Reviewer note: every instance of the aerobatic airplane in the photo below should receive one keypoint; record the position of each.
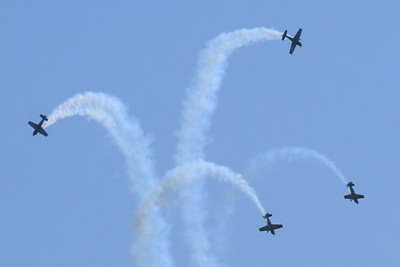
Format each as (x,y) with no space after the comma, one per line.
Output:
(353,195)
(295,40)
(270,227)
(38,127)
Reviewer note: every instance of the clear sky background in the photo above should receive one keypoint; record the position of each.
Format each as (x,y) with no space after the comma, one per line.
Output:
(66,200)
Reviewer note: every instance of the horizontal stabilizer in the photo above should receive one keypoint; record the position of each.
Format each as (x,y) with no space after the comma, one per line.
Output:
(284,35)
(44,117)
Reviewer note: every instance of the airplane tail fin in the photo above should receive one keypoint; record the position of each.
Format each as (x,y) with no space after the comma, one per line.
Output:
(350,184)
(44,117)
(284,35)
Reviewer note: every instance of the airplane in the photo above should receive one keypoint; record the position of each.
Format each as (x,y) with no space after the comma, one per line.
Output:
(353,195)
(38,127)
(295,40)
(270,227)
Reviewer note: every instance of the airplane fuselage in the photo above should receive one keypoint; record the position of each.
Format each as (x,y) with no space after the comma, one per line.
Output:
(352,191)
(353,195)
(297,42)
(353,198)
(35,132)
(269,224)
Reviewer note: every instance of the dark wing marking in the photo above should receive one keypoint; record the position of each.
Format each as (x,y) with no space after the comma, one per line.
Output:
(33,125)
(276,226)
(265,228)
(297,36)
(292,47)
(40,130)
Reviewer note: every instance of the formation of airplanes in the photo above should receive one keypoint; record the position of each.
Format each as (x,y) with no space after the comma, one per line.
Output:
(295,42)
(270,227)
(352,196)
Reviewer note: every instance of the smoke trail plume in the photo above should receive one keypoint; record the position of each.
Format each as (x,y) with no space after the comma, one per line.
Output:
(273,156)
(201,98)
(151,246)
(289,153)
(111,113)
(177,180)
(198,107)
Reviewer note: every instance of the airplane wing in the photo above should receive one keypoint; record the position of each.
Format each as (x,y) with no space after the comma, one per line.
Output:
(292,47)
(276,226)
(265,228)
(40,130)
(270,227)
(297,36)
(359,196)
(349,196)
(33,125)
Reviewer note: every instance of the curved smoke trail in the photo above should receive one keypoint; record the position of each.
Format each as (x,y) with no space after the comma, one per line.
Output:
(151,247)
(198,107)
(201,98)
(111,113)
(262,160)
(289,153)
(175,181)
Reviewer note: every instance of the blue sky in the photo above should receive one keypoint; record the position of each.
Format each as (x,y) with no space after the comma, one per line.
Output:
(66,200)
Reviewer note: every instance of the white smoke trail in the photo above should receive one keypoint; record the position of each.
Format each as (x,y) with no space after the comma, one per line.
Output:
(199,105)
(111,113)
(262,160)
(201,99)
(289,153)
(177,180)
(196,236)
